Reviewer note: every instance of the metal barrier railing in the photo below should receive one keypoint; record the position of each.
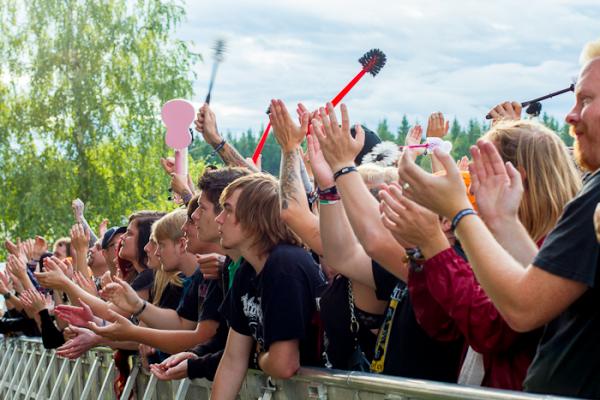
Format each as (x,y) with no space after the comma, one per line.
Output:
(28,371)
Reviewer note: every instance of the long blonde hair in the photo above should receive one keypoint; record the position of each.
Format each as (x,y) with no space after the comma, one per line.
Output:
(551,179)
(168,227)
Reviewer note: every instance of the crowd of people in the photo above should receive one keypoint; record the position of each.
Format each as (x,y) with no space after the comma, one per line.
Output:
(483,272)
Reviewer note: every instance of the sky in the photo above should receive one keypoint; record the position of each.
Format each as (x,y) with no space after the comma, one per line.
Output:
(457,57)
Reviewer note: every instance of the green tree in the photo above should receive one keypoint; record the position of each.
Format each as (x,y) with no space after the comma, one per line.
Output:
(402,130)
(87,80)
(383,131)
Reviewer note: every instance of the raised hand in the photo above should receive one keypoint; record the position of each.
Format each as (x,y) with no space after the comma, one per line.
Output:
(506,111)
(105,279)
(102,228)
(17,266)
(211,265)
(321,170)
(11,247)
(287,133)
(33,300)
(78,316)
(337,144)
(54,276)
(80,239)
(27,248)
(444,195)
(78,208)
(119,328)
(5,283)
(168,165)
(83,341)
(497,186)
(121,294)
(206,124)
(85,283)
(39,247)
(437,126)
(411,223)
(414,136)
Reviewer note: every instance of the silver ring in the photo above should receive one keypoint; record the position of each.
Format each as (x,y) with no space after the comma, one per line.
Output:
(405,186)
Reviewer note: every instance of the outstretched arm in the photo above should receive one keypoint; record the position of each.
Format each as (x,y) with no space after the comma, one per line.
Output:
(295,211)
(361,207)
(206,124)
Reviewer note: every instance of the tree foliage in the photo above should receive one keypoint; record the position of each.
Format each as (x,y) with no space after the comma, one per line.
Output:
(82,82)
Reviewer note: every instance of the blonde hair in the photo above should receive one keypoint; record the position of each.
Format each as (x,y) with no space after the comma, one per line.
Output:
(161,280)
(590,51)
(551,179)
(375,174)
(169,226)
(257,211)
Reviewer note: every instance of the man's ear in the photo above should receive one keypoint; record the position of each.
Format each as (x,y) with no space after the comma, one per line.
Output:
(181,243)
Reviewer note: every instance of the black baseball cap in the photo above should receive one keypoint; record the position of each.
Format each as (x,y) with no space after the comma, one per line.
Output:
(110,234)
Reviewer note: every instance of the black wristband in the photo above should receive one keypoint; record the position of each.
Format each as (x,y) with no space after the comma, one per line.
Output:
(140,311)
(220,146)
(329,190)
(460,215)
(344,171)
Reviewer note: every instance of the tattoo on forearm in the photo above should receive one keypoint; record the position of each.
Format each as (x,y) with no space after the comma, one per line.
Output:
(290,178)
(232,158)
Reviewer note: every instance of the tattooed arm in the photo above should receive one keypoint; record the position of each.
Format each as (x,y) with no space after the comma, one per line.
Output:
(206,124)
(294,205)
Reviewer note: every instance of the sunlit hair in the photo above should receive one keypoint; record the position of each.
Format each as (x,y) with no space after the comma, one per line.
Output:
(192,206)
(257,211)
(590,51)
(169,226)
(212,183)
(551,179)
(374,175)
(67,242)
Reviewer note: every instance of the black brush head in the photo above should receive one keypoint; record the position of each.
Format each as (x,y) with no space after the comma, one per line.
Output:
(219,49)
(373,61)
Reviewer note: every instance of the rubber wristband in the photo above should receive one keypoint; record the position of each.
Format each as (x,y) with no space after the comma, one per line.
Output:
(220,146)
(460,215)
(344,171)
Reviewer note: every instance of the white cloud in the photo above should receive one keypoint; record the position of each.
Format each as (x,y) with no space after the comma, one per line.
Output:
(457,57)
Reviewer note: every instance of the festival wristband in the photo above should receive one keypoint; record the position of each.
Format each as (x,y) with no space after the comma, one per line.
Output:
(220,146)
(140,311)
(344,171)
(460,215)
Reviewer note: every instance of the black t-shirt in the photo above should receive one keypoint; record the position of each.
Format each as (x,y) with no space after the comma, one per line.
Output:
(568,358)
(143,280)
(279,303)
(194,292)
(335,316)
(409,351)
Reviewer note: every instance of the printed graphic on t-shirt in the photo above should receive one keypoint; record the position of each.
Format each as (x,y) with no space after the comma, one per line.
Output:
(253,312)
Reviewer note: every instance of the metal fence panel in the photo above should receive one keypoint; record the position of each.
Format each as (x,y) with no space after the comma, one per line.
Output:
(96,370)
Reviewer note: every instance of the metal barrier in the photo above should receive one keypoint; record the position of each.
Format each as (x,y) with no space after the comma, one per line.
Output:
(28,371)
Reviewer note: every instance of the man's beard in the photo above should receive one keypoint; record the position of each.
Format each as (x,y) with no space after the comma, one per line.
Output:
(577,153)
